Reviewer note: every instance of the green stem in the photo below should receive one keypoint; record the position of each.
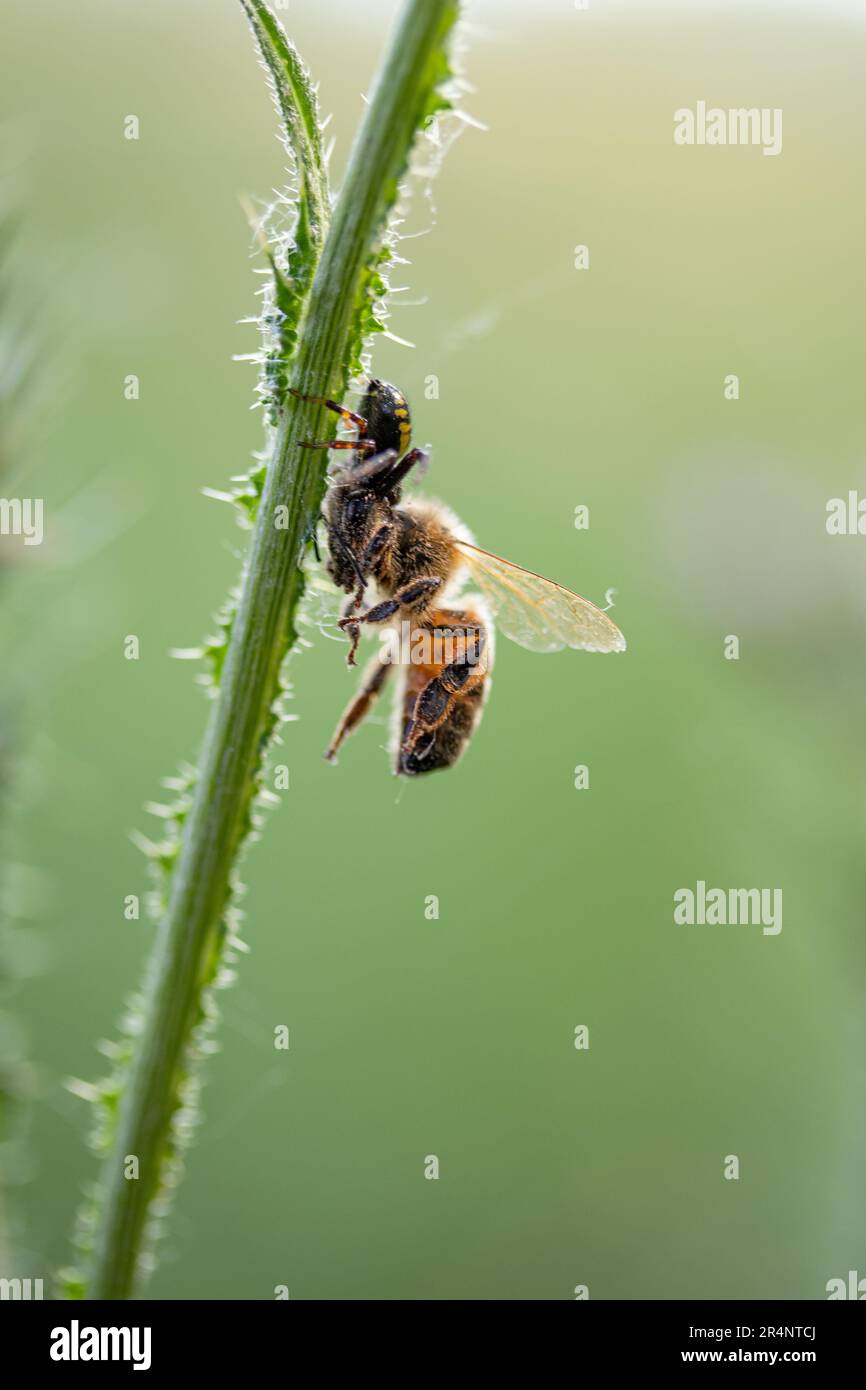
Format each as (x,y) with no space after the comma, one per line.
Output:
(192,931)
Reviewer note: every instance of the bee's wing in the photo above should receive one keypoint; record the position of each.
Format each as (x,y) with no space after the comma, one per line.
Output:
(535,612)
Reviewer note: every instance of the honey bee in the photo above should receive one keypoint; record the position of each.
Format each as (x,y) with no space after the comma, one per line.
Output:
(420,558)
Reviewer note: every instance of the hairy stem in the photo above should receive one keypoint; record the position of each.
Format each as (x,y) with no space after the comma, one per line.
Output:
(192,931)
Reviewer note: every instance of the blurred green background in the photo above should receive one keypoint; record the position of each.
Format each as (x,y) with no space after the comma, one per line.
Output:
(557,387)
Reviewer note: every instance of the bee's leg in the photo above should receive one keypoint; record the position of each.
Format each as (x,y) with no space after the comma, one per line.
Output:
(348,610)
(359,707)
(407,597)
(369,555)
(434,703)
(375,545)
(343,411)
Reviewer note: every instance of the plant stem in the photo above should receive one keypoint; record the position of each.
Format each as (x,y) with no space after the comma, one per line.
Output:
(192,931)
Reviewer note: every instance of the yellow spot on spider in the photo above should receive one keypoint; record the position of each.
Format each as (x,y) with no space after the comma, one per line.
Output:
(401,412)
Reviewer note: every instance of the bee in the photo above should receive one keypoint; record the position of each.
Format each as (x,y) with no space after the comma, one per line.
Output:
(420,559)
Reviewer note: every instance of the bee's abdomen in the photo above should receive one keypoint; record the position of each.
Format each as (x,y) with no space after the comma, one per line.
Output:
(450,739)
(442,697)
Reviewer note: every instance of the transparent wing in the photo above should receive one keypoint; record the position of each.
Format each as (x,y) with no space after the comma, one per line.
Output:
(535,612)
